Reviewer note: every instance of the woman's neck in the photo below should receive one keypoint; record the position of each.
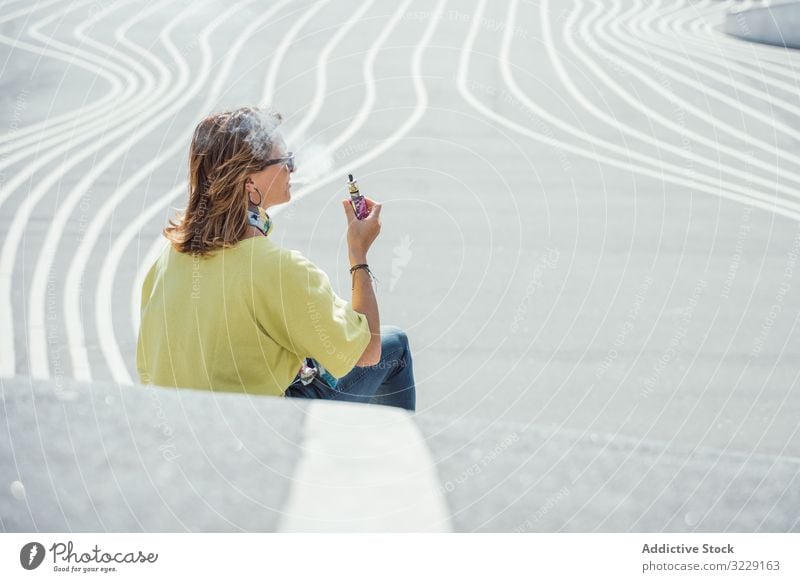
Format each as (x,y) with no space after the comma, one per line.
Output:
(252,231)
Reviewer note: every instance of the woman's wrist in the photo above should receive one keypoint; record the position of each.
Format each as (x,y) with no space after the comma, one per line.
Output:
(357,257)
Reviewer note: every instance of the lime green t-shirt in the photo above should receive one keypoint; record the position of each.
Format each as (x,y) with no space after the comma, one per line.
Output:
(243,320)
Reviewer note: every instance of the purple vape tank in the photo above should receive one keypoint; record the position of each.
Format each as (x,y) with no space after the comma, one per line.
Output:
(356,199)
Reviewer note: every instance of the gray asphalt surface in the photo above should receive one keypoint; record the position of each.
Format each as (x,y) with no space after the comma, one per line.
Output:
(97,457)
(590,220)
(103,457)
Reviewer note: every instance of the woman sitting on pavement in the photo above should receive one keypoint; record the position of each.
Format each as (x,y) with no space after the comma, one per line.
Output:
(225,308)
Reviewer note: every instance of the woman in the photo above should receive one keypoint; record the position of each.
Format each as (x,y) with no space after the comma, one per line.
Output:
(225,308)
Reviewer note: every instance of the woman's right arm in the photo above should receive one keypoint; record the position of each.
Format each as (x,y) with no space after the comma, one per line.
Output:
(360,236)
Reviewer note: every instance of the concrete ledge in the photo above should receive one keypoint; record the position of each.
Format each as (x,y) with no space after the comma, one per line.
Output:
(777,25)
(101,457)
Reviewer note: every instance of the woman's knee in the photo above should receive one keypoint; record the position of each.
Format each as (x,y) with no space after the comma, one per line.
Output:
(394,332)
(394,339)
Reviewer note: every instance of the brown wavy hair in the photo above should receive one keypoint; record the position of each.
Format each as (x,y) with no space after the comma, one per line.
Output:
(226,148)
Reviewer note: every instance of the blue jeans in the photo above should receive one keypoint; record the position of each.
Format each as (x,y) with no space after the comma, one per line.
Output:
(389,382)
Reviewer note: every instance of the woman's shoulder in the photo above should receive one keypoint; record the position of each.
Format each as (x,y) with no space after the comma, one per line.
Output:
(258,249)
(287,259)
(257,246)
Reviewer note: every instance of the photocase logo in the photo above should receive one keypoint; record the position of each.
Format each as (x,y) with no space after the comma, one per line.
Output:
(31,555)
(69,560)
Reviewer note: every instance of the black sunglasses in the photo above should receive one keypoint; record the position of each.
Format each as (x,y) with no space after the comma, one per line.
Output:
(288,160)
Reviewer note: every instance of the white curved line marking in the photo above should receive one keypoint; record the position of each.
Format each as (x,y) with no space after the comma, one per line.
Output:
(755,68)
(322,69)
(566,146)
(368,103)
(56,124)
(272,74)
(419,110)
(696,111)
(716,165)
(134,129)
(8,255)
(86,61)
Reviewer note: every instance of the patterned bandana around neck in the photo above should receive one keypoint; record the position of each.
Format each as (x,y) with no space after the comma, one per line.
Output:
(259,218)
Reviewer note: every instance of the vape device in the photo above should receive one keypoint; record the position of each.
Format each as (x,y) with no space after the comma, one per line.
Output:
(356,199)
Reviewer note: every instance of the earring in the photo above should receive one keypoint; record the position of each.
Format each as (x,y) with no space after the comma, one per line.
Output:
(260,198)
(258,217)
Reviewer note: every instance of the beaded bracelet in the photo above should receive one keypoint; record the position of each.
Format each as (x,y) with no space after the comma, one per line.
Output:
(355,268)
